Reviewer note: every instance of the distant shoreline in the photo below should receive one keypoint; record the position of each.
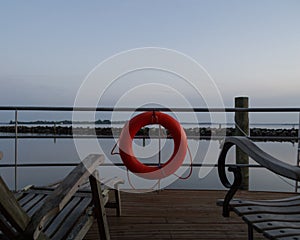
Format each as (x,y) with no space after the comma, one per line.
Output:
(106,121)
(268,134)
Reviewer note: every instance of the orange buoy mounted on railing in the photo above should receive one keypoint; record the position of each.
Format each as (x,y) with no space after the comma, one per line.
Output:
(130,130)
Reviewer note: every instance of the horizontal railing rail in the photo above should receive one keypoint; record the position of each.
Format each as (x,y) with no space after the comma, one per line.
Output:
(129,109)
(58,136)
(122,165)
(16,135)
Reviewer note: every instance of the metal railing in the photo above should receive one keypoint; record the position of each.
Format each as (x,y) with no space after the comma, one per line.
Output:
(18,109)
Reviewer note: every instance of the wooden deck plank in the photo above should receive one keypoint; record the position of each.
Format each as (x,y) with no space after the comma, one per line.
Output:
(177,214)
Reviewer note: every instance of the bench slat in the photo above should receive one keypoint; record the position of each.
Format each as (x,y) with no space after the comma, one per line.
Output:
(36,206)
(294,237)
(270,225)
(26,198)
(254,218)
(29,205)
(72,219)
(270,203)
(58,220)
(284,232)
(264,209)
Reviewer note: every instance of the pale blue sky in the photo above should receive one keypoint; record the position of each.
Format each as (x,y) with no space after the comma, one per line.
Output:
(249,47)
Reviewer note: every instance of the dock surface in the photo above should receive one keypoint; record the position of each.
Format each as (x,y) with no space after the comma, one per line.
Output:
(177,214)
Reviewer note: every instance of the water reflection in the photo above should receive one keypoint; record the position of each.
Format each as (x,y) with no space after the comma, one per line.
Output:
(64,151)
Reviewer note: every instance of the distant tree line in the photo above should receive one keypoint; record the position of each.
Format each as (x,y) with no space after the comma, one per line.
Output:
(41,122)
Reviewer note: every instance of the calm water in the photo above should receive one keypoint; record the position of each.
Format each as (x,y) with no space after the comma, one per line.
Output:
(64,151)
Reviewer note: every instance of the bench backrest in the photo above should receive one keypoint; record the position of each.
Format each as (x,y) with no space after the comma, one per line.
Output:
(13,219)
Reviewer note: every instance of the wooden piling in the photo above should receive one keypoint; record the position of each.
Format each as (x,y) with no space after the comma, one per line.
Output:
(242,129)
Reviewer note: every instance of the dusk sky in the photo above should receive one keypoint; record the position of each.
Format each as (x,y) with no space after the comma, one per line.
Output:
(50,48)
(249,48)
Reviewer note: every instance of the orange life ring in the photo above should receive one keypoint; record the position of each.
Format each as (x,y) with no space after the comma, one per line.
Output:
(130,130)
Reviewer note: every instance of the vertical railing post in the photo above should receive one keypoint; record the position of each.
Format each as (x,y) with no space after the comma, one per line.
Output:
(159,151)
(242,129)
(54,131)
(16,150)
(298,154)
(159,145)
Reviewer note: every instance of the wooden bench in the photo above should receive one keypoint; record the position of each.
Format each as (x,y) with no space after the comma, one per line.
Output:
(64,212)
(275,219)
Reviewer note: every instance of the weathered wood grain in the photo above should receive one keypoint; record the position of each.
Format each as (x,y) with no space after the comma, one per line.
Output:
(99,207)
(62,194)
(177,214)
(63,212)
(11,209)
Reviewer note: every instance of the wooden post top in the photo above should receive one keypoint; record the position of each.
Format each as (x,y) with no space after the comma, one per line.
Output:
(241,102)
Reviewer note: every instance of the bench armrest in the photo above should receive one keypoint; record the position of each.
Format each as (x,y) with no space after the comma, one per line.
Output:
(63,193)
(114,182)
(262,158)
